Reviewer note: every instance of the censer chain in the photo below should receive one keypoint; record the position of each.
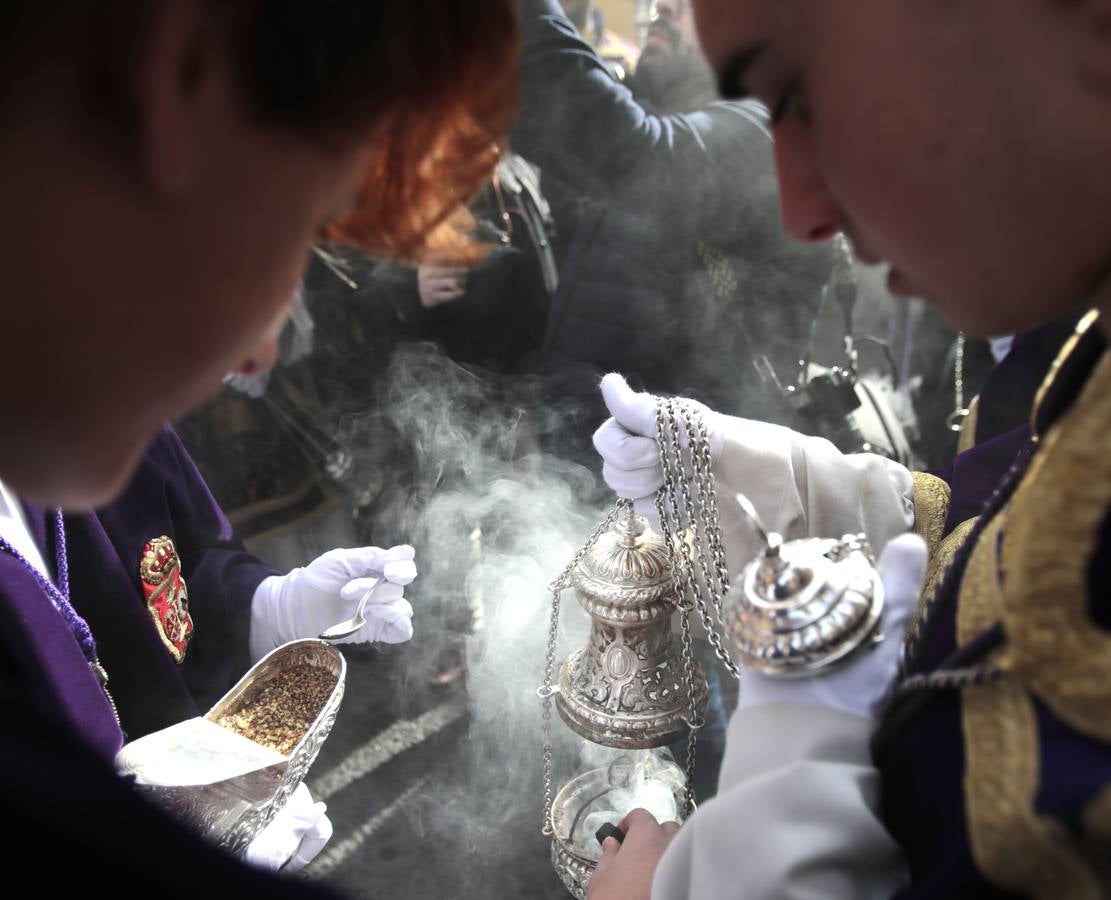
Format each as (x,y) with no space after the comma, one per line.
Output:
(547,690)
(702,524)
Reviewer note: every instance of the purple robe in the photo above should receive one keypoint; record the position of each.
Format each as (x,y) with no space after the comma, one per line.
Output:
(167,497)
(72,818)
(921,748)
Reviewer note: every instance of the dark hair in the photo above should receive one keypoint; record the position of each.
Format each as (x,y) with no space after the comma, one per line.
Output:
(432,82)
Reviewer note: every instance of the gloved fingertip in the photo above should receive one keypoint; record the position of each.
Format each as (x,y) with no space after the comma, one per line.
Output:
(906,553)
(353,591)
(401,572)
(615,392)
(400,553)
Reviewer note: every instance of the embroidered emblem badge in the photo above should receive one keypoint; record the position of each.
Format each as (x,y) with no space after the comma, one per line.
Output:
(167,595)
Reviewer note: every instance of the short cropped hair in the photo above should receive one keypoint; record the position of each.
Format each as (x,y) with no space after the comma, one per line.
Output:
(432,82)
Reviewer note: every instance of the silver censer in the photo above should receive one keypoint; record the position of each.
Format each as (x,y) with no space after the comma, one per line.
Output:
(630,688)
(804,605)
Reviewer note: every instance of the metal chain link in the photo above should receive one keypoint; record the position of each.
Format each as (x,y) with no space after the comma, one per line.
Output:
(680,515)
(701,524)
(960,411)
(546,691)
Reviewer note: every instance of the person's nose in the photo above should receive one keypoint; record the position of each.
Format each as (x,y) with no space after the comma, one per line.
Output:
(666,9)
(807,208)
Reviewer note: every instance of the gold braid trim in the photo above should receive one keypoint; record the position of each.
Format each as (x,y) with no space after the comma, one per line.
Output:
(931,508)
(1012,845)
(937,566)
(1058,651)
(1086,322)
(1029,570)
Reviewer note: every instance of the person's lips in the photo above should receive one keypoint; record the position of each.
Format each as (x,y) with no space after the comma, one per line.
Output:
(660,36)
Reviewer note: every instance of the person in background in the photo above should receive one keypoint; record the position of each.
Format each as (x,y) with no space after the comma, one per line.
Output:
(985,770)
(669,268)
(619,54)
(167,167)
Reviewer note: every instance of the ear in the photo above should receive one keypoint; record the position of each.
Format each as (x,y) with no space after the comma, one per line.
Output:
(178,61)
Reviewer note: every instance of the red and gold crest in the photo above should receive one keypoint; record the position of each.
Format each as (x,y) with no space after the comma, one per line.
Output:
(167,595)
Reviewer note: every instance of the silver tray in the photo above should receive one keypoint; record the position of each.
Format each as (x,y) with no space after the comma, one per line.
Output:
(221,783)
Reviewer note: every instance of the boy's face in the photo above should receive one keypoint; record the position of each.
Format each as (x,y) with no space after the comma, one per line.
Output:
(963,143)
(137,280)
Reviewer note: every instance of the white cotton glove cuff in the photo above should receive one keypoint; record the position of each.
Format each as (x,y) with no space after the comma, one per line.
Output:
(804,486)
(308,600)
(294,836)
(857,685)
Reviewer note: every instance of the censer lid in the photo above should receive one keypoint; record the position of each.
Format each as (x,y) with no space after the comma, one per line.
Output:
(626,568)
(804,605)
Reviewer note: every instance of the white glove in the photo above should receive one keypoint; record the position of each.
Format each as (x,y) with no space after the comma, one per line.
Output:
(294,836)
(865,677)
(326,591)
(801,486)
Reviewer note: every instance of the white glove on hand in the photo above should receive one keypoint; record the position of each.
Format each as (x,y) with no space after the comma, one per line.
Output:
(326,591)
(801,486)
(863,680)
(294,836)
(628,446)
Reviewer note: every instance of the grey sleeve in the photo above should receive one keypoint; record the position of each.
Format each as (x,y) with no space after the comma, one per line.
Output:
(580,124)
(795,818)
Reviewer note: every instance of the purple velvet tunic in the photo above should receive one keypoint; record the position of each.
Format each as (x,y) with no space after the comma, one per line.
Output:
(167,497)
(73,820)
(921,746)
(151,690)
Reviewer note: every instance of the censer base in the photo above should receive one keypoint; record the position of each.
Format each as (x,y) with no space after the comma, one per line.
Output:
(607,795)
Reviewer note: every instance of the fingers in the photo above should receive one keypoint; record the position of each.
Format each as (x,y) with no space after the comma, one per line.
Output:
(396,564)
(634,485)
(399,566)
(385,592)
(401,572)
(617,445)
(902,568)
(440,284)
(312,842)
(630,463)
(637,819)
(635,411)
(610,846)
(391,623)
